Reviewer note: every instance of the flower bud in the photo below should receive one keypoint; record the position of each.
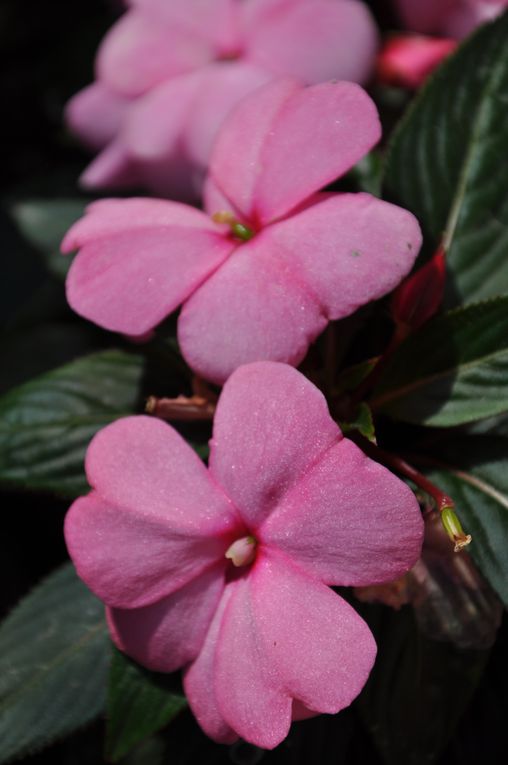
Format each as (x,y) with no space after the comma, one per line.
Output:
(407,60)
(419,296)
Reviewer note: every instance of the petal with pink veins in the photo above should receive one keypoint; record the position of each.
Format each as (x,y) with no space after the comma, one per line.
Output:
(312,641)
(170,633)
(235,160)
(252,308)
(286,142)
(270,427)
(319,134)
(349,249)
(155,520)
(249,693)
(316,41)
(349,521)
(285,636)
(199,682)
(131,280)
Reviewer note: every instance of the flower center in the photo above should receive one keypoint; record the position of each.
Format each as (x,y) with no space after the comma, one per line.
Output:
(239,230)
(242,552)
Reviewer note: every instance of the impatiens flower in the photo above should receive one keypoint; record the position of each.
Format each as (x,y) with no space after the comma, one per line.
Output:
(169,72)
(450,18)
(261,275)
(225,571)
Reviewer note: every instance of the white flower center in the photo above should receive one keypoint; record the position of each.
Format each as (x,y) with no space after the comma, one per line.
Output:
(242,552)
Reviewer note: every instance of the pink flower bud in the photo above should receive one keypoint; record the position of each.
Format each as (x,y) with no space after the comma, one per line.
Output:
(408,60)
(418,298)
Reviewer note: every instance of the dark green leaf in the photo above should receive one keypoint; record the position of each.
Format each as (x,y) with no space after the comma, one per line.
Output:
(54,656)
(453,371)
(362,422)
(47,423)
(475,475)
(44,222)
(448,164)
(139,704)
(417,690)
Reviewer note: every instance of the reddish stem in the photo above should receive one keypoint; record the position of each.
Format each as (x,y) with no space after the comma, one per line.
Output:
(182,408)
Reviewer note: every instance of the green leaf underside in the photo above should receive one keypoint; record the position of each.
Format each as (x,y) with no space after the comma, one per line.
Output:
(44,223)
(479,488)
(453,371)
(448,164)
(54,657)
(47,423)
(417,690)
(139,704)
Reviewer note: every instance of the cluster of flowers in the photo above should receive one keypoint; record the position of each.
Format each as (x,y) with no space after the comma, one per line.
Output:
(225,571)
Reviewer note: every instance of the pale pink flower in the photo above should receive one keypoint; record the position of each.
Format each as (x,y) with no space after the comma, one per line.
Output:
(225,570)
(169,71)
(450,18)
(312,258)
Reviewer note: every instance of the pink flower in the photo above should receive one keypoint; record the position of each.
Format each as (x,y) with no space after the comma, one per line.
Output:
(169,71)
(312,257)
(451,18)
(225,570)
(408,60)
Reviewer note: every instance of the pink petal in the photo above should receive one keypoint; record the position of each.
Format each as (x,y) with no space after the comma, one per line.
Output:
(349,521)
(319,134)
(131,280)
(168,634)
(158,120)
(270,426)
(180,118)
(249,692)
(283,637)
(253,308)
(140,51)
(215,22)
(95,114)
(349,249)
(317,646)
(113,216)
(214,199)
(235,160)
(317,41)
(199,681)
(223,85)
(298,140)
(155,519)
